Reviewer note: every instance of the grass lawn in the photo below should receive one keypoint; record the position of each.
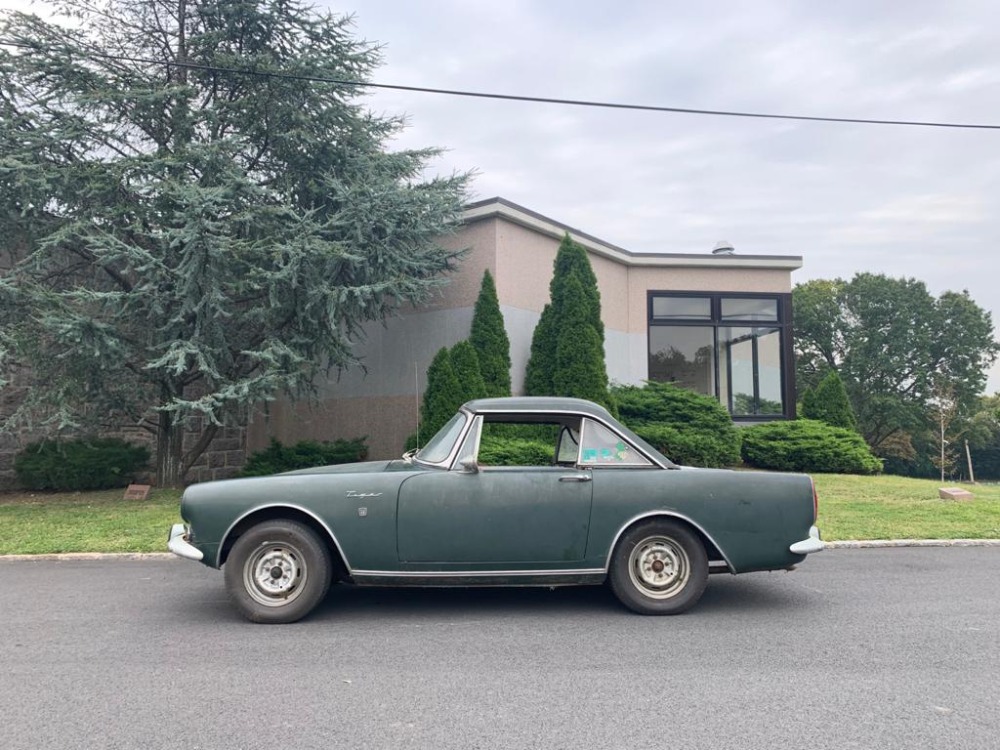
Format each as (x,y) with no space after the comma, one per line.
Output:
(38,522)
(849,508)
(889,507)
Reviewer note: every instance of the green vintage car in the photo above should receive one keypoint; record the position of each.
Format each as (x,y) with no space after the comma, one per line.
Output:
(511,491)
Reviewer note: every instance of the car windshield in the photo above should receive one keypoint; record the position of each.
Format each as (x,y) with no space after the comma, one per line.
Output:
(439,447)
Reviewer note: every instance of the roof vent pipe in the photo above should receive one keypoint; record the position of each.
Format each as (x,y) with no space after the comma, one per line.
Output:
(722,247)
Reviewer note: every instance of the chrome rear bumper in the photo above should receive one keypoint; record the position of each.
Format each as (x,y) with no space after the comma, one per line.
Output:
(178,544)
(807,546)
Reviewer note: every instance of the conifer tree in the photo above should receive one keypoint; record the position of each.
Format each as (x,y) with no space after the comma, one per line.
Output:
(192,241)
(442,397)
(829,403)
(468,372)
(564,358)
(489,337)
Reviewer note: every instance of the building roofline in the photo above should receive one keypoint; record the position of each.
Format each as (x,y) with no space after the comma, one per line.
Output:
(504,209)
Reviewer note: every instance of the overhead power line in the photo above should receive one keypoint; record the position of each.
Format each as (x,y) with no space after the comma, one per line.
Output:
(522,98)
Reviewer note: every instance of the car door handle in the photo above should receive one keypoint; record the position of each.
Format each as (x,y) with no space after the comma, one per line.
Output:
(575,478)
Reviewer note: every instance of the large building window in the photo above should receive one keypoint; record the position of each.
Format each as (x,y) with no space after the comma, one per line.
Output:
(735,347)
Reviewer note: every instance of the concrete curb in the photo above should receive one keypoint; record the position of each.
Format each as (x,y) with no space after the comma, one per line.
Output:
(858,544)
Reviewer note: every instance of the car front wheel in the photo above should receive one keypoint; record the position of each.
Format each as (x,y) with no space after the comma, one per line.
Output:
(278,571)
(659,568)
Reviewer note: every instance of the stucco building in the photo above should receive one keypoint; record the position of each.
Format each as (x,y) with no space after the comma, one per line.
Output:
(716,322)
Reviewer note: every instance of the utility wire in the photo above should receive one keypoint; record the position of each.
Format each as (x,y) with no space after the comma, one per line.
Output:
(520,98)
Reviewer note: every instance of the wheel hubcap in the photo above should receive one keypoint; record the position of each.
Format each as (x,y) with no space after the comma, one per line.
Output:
(274,574)
(659,567)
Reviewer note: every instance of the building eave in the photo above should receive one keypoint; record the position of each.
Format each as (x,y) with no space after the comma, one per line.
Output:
(501,208)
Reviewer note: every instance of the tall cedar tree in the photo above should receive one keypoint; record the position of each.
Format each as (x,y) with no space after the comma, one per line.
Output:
(489,337)
(829,403)
(194,241)
(468,371)
(572,315)
(442,397)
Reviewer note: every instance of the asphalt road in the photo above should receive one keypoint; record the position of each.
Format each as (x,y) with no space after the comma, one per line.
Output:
(896,648)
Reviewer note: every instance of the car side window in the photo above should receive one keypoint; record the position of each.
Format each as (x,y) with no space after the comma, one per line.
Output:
(602,447)
(568,449)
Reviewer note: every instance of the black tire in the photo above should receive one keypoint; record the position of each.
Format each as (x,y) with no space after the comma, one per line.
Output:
(278,571)
(659,567)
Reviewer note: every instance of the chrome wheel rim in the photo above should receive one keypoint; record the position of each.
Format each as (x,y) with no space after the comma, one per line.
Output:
(659,567)
(275,574)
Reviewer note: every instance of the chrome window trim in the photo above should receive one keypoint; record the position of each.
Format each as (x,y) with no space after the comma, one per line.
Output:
(668,514)
(583,415)
(476,423)
(450,458)
(293,506)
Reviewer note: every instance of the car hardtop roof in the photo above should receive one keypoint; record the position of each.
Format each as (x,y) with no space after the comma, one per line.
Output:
(538,405)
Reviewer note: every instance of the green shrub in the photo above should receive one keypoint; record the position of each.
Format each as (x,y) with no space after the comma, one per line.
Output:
(807,445)
(685,426)
(829,403)
(277,457)
(495,451)
(96,464)
(489,337)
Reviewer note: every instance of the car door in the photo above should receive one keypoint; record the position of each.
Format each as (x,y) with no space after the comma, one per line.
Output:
(497,515)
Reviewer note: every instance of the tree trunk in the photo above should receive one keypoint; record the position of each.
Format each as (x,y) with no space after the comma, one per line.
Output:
(169,439)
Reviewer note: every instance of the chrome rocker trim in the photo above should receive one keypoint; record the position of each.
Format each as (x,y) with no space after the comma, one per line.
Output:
(178,544)
(810,545)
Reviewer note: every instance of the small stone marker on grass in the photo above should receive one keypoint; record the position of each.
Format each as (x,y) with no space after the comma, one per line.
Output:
(137,492)
(954,493)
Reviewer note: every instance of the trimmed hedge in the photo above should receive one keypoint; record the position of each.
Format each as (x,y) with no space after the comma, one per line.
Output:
(97,464)
(305,454)
(685,426)
(515,452)
(808,445)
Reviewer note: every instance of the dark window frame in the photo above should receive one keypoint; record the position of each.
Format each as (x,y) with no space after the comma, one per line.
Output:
(783,324)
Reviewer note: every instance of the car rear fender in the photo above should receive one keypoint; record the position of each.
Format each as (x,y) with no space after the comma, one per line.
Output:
(712,549)
(291,513)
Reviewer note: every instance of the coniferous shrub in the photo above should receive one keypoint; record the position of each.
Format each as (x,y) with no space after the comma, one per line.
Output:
(807,445)
(829,403)
(465,363)
(442,397)
(687,427)
(513,451)
(489,338)
(304,454)
(95,464)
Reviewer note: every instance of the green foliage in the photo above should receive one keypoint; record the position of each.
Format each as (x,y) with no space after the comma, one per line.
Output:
(191,242)
(489,337)
(443,395)
(809,446)
(512,451)
(277,457)
(94,464)
(890,340)
(829,403)
(465,363)
(567,347)
(687,427)
(579,362)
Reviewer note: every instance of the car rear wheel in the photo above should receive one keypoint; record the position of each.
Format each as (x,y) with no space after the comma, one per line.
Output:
(278,571)
(659,567)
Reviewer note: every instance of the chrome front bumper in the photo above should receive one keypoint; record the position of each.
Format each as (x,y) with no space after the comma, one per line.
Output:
(178,544)
(807,546)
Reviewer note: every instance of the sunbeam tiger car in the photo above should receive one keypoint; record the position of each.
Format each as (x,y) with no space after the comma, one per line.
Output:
(511,491)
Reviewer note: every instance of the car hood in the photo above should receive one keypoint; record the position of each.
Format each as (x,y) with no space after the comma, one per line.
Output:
(363,467)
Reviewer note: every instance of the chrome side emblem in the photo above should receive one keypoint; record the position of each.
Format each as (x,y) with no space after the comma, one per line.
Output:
(362,512)
(355,493)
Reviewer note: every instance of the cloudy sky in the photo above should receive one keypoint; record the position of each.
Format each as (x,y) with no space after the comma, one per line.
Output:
(918,202)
